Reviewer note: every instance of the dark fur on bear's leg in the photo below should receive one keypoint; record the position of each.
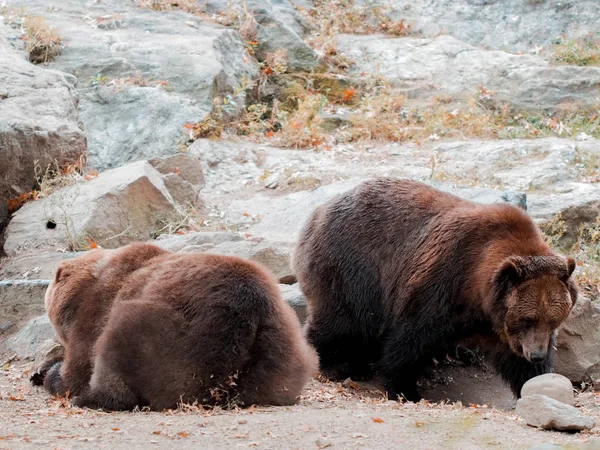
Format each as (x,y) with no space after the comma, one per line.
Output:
(342,356)
(53,381)
(516,370)
(119,400)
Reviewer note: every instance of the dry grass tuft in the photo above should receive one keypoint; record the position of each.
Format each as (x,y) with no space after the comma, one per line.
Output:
(190,6)
(42,41)
(304,128)
(333,17)
(583,51)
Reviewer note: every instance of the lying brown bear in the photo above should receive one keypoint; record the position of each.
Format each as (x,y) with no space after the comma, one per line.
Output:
(395,271)
(143,327)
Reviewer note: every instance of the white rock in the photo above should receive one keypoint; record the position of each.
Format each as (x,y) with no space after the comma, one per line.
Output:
(545,412)
(552,385)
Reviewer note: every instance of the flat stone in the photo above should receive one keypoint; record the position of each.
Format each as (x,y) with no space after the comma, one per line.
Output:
(28,341)
(38,266)
(275,256)
(20,301)
(544,412)
(552,385)
(177,242)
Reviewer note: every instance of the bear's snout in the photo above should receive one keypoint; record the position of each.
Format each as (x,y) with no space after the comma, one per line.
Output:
(535,345)
(538,356)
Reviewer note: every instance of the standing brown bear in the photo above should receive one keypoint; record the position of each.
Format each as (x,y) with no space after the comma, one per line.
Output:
(143,327)
(395,271)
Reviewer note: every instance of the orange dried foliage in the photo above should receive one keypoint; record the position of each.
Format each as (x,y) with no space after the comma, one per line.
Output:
(349,95)
(92,244)
(91,175)
(15,203)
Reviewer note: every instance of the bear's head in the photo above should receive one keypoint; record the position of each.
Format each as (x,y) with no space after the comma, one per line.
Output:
(71,285)
(534,295)
(88,282)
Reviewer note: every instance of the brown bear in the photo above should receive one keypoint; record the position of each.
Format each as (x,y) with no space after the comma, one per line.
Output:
(143,327)
(395,271)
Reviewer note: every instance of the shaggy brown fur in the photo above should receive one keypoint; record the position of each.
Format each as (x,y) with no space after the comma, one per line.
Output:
(395,271)
(143,327)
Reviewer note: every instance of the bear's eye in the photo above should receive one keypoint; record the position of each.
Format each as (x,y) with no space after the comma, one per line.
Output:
(526,323)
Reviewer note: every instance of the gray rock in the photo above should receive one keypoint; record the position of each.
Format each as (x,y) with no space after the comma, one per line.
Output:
(28,341)
(551,385)
(186,165)
(20,301)
(38,122)
(294,297)
(183,177)
(272,181)
(275,256)
(38,266)
(281,218)
(578,353)
(279,26)
(422,68)
(513,25)
(129,115)
(118,207)
(545,412)
(176,243)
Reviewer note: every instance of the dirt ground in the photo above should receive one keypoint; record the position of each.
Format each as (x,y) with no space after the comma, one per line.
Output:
(328,415)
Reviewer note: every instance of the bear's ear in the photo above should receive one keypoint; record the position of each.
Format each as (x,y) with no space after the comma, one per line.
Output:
(61,271)
(570,266)
(510,271)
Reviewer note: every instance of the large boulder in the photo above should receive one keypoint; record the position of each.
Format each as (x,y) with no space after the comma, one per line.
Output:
(142,74)
(513,25)
(424,68)
(578,344)
(38,123)
(120,206)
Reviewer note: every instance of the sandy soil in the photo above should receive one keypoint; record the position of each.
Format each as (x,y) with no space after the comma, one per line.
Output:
(328,415)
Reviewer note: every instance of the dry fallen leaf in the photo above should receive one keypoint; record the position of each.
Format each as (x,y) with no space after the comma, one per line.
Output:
(377,419)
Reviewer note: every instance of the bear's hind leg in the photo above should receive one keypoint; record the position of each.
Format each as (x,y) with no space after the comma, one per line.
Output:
(342,353)
(408,348)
